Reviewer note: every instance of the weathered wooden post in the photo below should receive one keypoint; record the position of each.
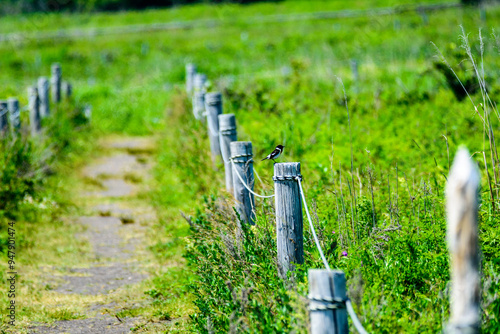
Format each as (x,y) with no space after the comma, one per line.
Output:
(67,89)
(462,197)
(56,82)
(4,117)
(190,72)
(199,105)
(327,295)
(289,220)
(213,107)
(242,160)
(34,106)
(199,82)
(227,134)
(14,114)
(43,96)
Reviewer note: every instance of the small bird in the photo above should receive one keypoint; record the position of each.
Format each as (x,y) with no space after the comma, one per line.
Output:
(275,154)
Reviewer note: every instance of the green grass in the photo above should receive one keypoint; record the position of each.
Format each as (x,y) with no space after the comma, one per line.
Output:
(286,74)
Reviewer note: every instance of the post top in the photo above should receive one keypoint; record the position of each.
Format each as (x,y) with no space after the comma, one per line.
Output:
(286,171)
(241,149)
(190,67)
(227,122)
(13,99)
(43,79)
(213,98)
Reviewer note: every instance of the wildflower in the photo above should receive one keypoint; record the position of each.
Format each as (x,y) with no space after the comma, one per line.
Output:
(344,253)
(333,232)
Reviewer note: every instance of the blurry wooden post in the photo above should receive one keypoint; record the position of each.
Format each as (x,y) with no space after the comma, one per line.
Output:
(242,160)
(199,82)
(213,107)
(190,72)
(199,105)
(67,89)
(462,197)
(227,134)
(43,96)
(289,220)
(4,118)
(14,114)
(34,105)
(56,82)
(327,295)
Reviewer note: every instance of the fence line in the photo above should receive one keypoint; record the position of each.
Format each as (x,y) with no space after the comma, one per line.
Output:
(213,23)
(328,299)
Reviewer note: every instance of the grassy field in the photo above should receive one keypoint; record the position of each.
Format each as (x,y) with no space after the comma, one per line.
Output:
(285,82)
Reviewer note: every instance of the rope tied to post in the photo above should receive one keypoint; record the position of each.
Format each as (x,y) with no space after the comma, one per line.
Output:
(232,159)
(228,131)
(287,177)
(331,303)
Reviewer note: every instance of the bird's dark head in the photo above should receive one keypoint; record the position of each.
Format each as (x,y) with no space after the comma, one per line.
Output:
(280,147)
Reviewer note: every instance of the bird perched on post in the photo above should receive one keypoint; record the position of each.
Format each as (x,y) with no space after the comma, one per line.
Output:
(275,154)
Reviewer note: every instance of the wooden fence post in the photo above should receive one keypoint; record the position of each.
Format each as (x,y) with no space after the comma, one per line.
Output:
(199,105)
(213,107)
(227,134)
(289,220)
(67,89)
(327,295)
(43,96)
(190,72)
(4,117)
(242,160)
(462,194)
(34,106)
(14,114)
(199,82)
(56,82)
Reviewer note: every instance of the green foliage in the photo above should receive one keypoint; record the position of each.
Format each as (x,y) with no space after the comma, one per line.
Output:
(238,286)
(27,163)
(281,79)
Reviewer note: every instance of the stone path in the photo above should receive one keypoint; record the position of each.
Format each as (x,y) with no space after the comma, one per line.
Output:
(115,228)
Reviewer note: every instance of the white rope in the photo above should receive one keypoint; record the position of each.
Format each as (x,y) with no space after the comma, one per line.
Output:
(354,318)
(349,307)
(312,226)
(245,185)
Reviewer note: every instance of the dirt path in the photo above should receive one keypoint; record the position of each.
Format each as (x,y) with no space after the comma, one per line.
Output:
(115,224)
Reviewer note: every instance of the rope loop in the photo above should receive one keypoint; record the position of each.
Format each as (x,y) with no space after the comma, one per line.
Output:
(327,299)
(228,131)
(287,178)
(240,156)
(244,183)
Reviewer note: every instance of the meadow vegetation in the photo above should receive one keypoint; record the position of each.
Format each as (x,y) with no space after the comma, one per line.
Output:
(374,174)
